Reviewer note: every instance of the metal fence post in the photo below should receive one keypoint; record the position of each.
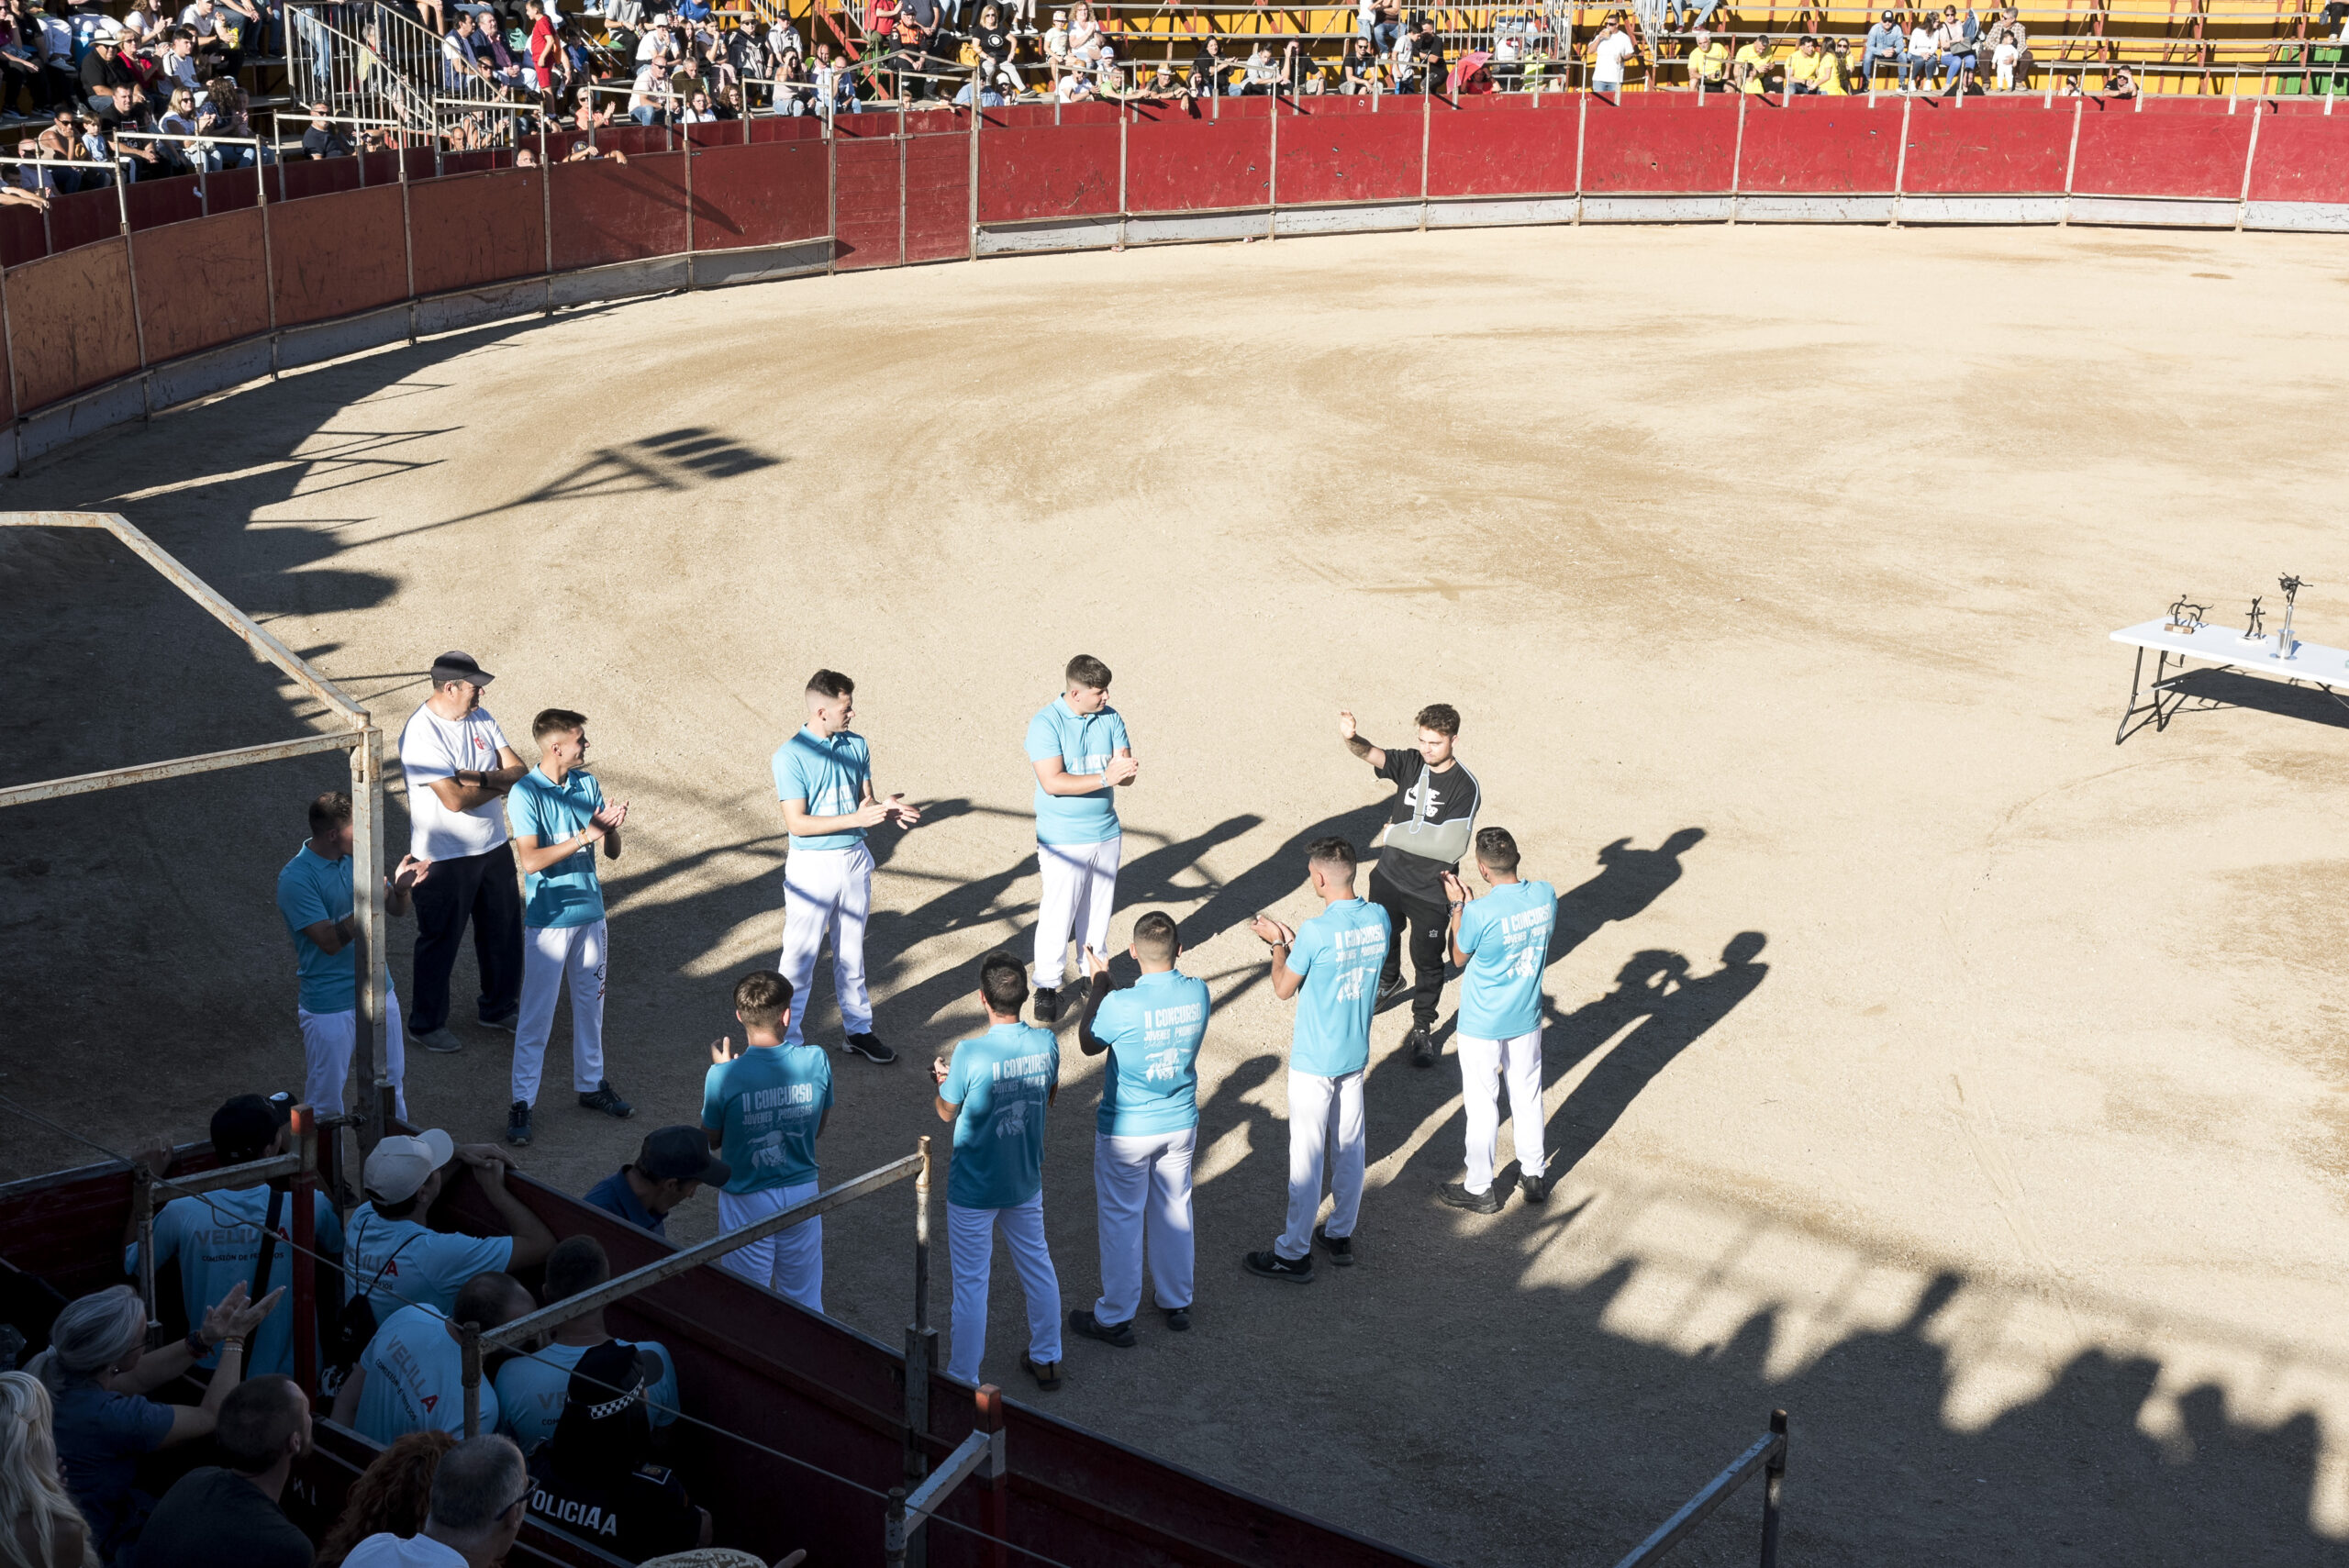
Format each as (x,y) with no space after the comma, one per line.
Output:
(1774,1480)
(994,1503)
(921,1339)
(142,1209)
(369,1065)
(130,269)
(892,1550)
(306,1240)
(471,1338)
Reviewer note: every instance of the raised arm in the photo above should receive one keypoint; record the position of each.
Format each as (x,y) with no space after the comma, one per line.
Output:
(1455,893)
(1086,1040)
(1350,734)
(1286,982)
(532,1240)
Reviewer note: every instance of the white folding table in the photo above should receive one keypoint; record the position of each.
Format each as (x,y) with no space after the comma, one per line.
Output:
(2227,647)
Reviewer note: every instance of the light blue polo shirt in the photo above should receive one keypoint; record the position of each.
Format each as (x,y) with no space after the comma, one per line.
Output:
(829,775)
(416,1380)
(310,889)
(396,1263)
(1154,1028)
(768,1101)
(215,1239)
(567,892)
(1506,935)
(1339,952)
(1083,743)
(1002,1080)
(531,1389)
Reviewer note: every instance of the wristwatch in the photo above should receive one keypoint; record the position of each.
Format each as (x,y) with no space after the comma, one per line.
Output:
(197,1345)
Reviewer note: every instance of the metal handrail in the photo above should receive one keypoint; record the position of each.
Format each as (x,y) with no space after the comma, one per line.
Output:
(1767,1456)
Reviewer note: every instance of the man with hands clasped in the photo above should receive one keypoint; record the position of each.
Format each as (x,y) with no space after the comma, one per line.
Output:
(1501,943)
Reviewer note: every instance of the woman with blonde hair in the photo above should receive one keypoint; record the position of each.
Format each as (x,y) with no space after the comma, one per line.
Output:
(392,1495)
(42,1527)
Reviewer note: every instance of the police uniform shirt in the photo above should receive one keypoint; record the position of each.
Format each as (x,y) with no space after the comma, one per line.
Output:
(647,1515)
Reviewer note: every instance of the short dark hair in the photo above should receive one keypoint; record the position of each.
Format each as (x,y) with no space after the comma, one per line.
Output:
(1003,980)
(1496,849)
(481,1478)
(255,1420)
(555,721)
(488,1299)
(577,1263)
(763,997)
(1087,670)
(329,810)
(1331,851)
(830,683)
(1439,716)
(1154,935)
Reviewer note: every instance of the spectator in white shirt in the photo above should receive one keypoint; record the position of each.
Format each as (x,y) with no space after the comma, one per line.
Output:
(480,1491)
(651,99)
(1609,52)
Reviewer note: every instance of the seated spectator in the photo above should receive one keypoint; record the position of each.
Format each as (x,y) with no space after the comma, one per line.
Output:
(835,82)
(2120,82)
(698,110)
(216,1238)
(98,1370)
(41,1520)
(461,55)
(179,63)
(20,72)
(595,1477)
(1754,68)
(584,154)
(1074,88)
(996,46)
(322,139)
(104,76)
(729,103)
(203,19)
(391,1497)
(531,1388)
(393,1259)
(1085,41)
(1808,65)
(1917,64)
(1056,44)
(2009,42)
(1207,67)
(1708,63)
(1842,77)
(1885,41)
(1426,55)
(1955,40)
(1260,76)
(1162,87)
(479,1492)
(228,1516)
(34,184)
(1358,70)
(651,101)
(411,1378)
(794,93)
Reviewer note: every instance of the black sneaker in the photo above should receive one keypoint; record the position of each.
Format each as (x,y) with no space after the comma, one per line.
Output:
(869,1046)
(1536,1188)
(1422,1044)
(504,1021)
(1178,1318)
(1339,1248)
(1119,1334)
(607,1100)
(1048,1004)
(518,1123)
(1272,1265)
(1388,989)
(1047,1374)
(1457,1196)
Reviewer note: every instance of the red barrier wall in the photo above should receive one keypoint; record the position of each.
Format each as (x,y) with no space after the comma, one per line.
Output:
(1332,151)
(2127,153)
(68,328)
(1664,150)
(1526,149)
(866,221)
(226,193)
(1820,145)
(762,195)
(606,212)
(1175,163)
(313,177)
(937,190)
(1043,172)
(156,202)
(2302,158)
(337,256)
(83,218)
(477,228)
(22,236)
(217,261)
(1954,151)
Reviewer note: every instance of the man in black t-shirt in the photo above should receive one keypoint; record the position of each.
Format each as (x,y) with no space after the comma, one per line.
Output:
(1427,832)
(229,1516)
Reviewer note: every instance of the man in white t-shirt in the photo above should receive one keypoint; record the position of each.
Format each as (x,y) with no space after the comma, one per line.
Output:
(459,768)
(1610,51)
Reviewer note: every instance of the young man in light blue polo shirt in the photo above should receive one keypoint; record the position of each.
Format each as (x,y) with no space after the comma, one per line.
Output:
(558,816)
(823,777)
(315,895)
(1148,1123)
(763,1111)
(1330,963)
(996,1089)
(1080,751)
(1501,943)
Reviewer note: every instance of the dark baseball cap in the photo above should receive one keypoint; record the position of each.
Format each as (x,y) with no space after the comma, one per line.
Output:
(249,1121)
(456,666)
(682,1154)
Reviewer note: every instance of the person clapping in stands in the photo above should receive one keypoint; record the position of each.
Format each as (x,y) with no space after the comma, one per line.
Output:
(595,1478)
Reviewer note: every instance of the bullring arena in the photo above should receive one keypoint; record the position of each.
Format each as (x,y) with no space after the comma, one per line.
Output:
(1917,1060)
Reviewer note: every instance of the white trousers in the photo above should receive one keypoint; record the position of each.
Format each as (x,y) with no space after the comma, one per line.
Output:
(970,1245)
(827,893)
(1483,1065)
(1080,885)
(1143,1184)
(550,955)
(790,1262)
(327,1043)
(1312,1100)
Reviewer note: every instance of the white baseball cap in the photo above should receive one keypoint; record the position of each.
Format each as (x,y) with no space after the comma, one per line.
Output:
(400,1165)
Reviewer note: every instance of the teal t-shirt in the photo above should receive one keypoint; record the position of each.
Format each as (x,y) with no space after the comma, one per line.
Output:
(215,1240)
(1339,952)
(1002,1081)
(1083,743)
(829,776)
(1506,935)
(310,889)
(566,893)
(1154,1028)
(768,1101)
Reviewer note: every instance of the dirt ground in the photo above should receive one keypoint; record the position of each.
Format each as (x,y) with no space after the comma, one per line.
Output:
(1919,1060)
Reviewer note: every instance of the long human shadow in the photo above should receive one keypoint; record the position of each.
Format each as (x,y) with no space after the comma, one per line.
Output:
(1629,879)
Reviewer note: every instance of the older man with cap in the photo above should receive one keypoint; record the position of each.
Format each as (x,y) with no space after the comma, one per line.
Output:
(459,768)
(394,1260)
(673,1165)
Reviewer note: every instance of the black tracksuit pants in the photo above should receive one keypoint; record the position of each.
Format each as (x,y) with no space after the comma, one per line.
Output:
(481,888)
(1419,925)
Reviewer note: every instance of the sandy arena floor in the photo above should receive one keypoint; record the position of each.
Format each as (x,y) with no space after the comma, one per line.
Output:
(1924,1064)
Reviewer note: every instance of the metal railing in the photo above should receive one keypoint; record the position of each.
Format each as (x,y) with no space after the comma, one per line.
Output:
(1767,1456)
(373,62)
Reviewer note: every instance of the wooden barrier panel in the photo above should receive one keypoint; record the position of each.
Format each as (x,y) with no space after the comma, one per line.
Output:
(938,188)
(1331,150)
(2124,152)
(1818,146)
(2301,157)
(200,284)
(69,321)
(477,228)
(766,194)
(1963,151)
(1178,163)
(153,203)
(313,177)
(1669,150)
(607,211)
(24,237)
(1516,144)
(866,219)
(83,218)
(337,255)
(1038,172)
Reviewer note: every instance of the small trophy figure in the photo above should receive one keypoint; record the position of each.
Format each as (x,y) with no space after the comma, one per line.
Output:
(2252,633)
(2185,617)
(2285,646)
